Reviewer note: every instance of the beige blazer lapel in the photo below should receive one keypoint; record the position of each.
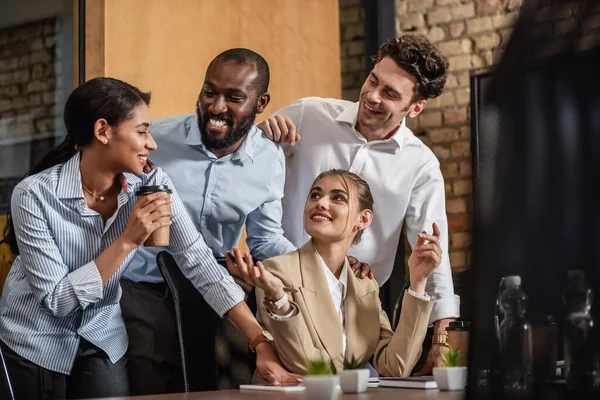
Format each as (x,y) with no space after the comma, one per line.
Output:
(362,318)
(319,305)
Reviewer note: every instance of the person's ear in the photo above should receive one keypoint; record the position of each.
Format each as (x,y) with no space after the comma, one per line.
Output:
(416,108)
(102,131)
(262,102)
(365,219)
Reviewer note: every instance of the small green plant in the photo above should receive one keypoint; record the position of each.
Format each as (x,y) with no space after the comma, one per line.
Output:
(320,367)
(353,363)
(453,358)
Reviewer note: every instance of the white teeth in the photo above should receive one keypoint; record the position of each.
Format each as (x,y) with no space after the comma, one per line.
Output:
(320,218)
(217,123)
(370,108)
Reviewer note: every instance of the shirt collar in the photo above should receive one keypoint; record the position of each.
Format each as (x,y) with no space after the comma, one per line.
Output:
(194,138)
(331,277)
(350,114)
(69,182)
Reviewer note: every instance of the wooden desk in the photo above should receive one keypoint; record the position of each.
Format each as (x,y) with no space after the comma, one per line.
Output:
(371,394)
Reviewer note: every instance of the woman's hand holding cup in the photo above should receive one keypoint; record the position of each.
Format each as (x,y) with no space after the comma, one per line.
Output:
(148,215)
(424,259)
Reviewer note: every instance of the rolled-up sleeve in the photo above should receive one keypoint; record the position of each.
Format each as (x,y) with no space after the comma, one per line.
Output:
(195,259)
(428,205)
(58,291)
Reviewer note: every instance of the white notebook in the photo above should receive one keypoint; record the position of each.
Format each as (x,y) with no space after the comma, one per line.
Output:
(273,388)
(412,382)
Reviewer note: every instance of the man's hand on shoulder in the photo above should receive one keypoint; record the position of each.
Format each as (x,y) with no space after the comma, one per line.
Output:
(360,269)
(280,129)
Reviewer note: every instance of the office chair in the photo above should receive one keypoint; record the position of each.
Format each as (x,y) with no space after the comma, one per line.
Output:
(5,369)
(214,355)
(168,268)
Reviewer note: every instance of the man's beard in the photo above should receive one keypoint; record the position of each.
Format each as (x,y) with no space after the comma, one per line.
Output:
(234,135)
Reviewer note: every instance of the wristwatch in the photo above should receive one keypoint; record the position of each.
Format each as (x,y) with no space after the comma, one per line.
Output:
(265,336)
(275,305)
(440,339)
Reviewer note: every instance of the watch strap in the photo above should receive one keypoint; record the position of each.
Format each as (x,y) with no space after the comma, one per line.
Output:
(281,302)
(258,340)
(440,339)
(275,305)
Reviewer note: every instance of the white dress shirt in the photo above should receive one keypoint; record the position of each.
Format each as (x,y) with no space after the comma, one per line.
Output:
(404,177)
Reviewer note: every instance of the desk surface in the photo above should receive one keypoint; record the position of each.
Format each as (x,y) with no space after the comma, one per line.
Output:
(371,394)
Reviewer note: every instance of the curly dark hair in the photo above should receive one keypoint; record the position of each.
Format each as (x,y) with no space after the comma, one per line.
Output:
(415,54)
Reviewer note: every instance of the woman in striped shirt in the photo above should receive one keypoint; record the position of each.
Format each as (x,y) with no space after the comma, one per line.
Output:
(75,225)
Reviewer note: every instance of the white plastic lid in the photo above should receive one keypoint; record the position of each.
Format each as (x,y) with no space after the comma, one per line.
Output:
(512,280)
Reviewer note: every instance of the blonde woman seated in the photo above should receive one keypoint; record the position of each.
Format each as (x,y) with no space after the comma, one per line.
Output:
(316,308)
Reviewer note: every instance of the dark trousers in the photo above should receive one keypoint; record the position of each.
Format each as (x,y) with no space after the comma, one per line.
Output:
(93,375)
(153,354)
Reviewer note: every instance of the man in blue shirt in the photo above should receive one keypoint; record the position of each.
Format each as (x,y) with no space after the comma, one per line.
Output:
(228,174)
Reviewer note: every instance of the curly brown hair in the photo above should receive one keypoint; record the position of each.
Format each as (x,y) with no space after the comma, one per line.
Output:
(415,54)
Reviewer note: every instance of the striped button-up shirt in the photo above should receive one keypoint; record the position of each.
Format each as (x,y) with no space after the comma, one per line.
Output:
(54,295)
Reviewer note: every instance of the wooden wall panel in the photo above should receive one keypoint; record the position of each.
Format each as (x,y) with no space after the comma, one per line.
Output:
(165,46)
(6,258)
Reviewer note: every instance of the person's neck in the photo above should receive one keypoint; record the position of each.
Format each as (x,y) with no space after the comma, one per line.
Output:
(333,254)
(94,176)
(376,134)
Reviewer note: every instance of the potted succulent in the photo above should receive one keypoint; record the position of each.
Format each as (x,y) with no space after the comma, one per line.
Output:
(354,378)
(453,375)
(320,381)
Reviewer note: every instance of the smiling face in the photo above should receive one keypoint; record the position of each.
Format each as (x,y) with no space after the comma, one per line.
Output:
(129,143)
(228,104)
(331,213)
(386,98)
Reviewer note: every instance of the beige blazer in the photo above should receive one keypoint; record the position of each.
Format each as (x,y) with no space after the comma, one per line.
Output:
(316,332)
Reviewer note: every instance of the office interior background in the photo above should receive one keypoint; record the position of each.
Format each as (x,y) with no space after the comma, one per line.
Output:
(314,48)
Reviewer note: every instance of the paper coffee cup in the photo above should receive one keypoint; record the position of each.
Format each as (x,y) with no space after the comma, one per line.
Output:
(159,237)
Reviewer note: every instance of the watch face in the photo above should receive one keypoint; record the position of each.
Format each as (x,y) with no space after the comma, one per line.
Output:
(267,335)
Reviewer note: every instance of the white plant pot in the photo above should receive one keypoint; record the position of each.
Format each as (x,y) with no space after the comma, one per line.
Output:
(450,378)
(321,387)
(354,380)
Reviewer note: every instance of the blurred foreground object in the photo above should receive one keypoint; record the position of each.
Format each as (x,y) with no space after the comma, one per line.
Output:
(537,147)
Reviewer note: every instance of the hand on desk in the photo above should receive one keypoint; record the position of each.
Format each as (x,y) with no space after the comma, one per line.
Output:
(270,368)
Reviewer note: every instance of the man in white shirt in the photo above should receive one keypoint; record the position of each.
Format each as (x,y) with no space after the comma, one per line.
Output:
(370,138)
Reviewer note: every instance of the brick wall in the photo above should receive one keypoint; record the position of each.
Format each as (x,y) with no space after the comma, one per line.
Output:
(352,37)
(29,78)
(471,33)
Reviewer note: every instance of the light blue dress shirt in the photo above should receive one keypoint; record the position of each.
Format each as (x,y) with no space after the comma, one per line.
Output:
(54,295)
(221,195)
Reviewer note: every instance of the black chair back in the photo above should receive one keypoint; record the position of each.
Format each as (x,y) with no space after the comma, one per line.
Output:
(8,388)
(214,354)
